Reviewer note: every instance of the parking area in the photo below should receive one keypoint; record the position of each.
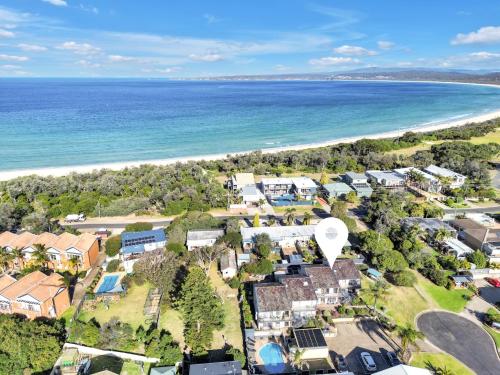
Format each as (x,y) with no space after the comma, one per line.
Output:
(363,336)
(488,292)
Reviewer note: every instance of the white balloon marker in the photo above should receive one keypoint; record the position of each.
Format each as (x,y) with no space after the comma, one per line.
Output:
(331,236)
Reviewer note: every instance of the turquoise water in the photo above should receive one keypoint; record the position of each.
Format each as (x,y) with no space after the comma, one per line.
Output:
(66,122)
(272,358)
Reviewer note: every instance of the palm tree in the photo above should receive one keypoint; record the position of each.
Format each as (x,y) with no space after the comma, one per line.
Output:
(441,234)
(262,202)
(409,337)
(416,178)
(443,371)
(5,259)
(378,291)
(298,359)
(290,215)
(74,263)
(271,221)
(17,253)
(307,218)
(41,256)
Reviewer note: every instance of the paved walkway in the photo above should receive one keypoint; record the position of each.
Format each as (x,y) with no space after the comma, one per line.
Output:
(82,285)
(461,338)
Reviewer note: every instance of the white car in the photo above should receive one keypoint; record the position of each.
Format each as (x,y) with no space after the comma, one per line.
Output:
(368,361)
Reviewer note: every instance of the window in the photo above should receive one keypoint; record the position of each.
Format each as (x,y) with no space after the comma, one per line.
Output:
(54,257)
(30,306)
(5,306)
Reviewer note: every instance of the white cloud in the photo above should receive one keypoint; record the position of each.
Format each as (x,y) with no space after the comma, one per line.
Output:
(89,9)
(484,55)
(10,67)
(31,47)
(79,48)
(385,44)
(332,61)
(281,68)
(120,58)
(88,64)
(57,3)
(209,57)
(354,51)
(169,70)
(13,58)
(488,34)
(6,33)
(210,18)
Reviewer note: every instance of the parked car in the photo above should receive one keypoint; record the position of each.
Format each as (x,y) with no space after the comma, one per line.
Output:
(74,218)
(368,361)
(494,282)
(392,359)
(341,363)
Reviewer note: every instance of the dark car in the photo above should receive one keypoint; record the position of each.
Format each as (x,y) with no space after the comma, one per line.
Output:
(392,359)
(341,363)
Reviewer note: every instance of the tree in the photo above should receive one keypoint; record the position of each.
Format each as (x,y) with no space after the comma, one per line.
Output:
(17,254)
(404,278)
(441,234)
(160,269)
(116,335)
(391,260)
(256,220)
(478,258)
(113,245)
(201,311)
(5,259)
(40,255)
(113,265)
(207,255)
(160,344)
(235,354)
(378,291)
(324,179)
(138,227)
(85,333)
(289,215)
(338,209)
(375,243)
(408,336)
(352,197)
(74,263)
(307,218)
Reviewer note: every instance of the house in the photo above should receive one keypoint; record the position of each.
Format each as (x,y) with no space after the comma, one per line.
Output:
(362,190)
(387,179)
(286,236)
(461,281)
(324,282)
(163,370)
(240,180)
(428,225)
(277,187)
(216,368)
(475,235)
(456,247)
(251,195)
(355,178)
(404,370)
(304,188)
(311,343)
(34,295)
(242,259)
(454,180)
(228,265)
(429,183)
(347,275)
(135,244)
(201,238)
(273,308)
(302,296)
(336,190)
(60,248)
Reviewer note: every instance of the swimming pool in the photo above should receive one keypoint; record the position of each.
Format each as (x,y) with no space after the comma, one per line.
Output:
(272,358)
(108,283)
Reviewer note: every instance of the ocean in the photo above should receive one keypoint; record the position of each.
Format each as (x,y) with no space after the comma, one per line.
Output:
(70,122)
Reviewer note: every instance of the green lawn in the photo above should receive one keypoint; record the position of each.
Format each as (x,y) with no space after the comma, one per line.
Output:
(440,360)
(494,334)
(128,310)
(451,300)
(67,315)
(171,321)
(132,368)
(232,324)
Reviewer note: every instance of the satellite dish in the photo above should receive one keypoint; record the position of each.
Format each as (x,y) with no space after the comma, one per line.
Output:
(331,236)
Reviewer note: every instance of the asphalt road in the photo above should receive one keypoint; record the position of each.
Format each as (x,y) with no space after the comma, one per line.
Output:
(482,210)
(462,339)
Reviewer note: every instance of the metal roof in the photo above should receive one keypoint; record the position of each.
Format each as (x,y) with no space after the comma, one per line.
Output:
(278,233)
(443,172)
(133,242)
(356,176)
(209,234)
(303,182)
(337,187)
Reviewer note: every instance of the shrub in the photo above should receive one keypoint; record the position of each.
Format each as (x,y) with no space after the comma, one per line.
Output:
(236,355)
(113,265)
(176,248)
(234,283)
(403,278)
(138,227)
(138,279)
(113,245)
(261,267)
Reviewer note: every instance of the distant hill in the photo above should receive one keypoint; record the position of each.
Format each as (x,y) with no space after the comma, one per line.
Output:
(400,74)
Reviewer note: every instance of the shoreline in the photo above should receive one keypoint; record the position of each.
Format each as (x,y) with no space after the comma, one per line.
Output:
(66,170)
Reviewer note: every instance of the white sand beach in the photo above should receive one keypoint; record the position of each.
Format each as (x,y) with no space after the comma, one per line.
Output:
(63,171)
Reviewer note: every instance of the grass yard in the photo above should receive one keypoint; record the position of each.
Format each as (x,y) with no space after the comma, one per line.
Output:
(171,321)
(232,329)
(440,360)
(129,309)
(494,334)
(493,137)
(67,315)
(452,300)
(132,368)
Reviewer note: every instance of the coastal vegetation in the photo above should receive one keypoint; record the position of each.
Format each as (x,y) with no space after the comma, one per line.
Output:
(35,202)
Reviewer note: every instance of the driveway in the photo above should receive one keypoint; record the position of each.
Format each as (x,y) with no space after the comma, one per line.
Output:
(462,339)
(488,292)
(357,337)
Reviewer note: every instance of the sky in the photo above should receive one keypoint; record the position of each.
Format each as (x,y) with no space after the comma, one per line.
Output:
(198,38)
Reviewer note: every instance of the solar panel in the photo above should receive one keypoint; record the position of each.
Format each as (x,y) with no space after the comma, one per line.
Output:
(310,338)
(139,241)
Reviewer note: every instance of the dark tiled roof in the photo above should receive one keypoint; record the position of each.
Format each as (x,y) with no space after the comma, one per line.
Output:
(299,288)
(216,368)
(272,297)
(345,269)
(321,276)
